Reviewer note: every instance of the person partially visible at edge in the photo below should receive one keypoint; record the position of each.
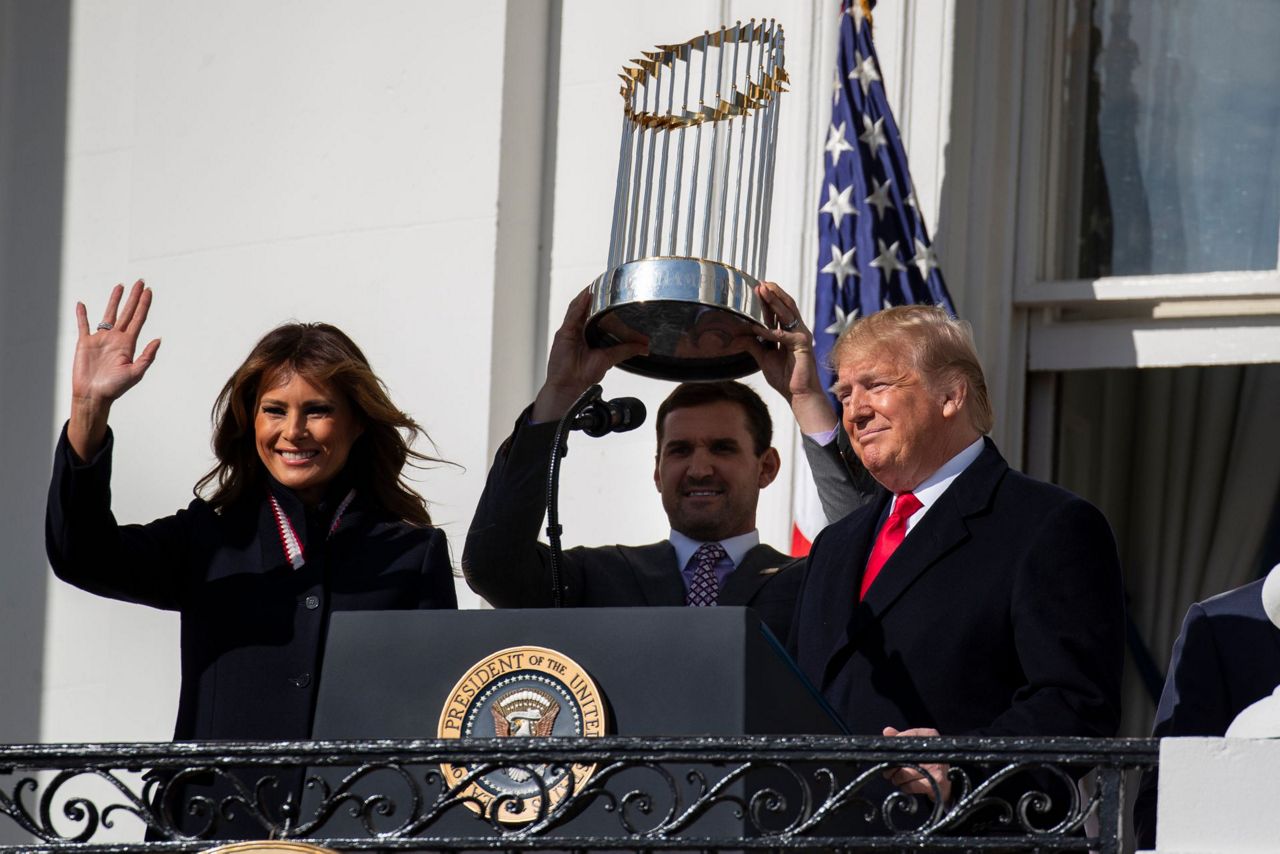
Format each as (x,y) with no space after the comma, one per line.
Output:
(965,598)
(1225,659)
(306,513)
(714,455)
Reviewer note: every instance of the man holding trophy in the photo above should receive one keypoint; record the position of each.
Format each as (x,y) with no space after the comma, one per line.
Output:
(713,457)
(683,299)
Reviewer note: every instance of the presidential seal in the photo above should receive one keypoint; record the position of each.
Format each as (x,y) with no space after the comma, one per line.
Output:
(521,692)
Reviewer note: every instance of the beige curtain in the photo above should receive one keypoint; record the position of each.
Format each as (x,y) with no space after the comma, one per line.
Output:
(1185,463)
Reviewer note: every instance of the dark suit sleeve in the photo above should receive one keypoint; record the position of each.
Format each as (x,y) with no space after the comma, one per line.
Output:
(502,559)
(768,582)
(1195,701)
(87,548)
(1068,629)
(437,574)
(842,486)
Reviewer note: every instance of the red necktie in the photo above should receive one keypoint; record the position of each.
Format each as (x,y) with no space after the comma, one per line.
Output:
(889,538)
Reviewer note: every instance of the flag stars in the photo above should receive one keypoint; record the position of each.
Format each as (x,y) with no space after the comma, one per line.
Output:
(873,134)
(864,71)
(886,215)
(842,321)
(926,259)
(838,203)
(887,261)
(841,265)
(879,198)
(837,142)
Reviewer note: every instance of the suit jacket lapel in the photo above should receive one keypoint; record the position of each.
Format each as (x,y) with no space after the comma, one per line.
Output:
(837,576)
(758,566)
(941,530)
(657,574)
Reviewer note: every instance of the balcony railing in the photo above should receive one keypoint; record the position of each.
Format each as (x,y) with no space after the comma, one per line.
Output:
(739,793)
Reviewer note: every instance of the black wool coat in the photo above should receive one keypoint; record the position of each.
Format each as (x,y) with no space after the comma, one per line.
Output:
(1000,614)
(253,627)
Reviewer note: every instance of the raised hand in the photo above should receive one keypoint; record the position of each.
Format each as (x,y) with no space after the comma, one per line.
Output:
(105,364)
(790,368)
(573,366)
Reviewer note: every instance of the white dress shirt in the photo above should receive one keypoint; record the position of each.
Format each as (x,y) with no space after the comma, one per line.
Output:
(932,487)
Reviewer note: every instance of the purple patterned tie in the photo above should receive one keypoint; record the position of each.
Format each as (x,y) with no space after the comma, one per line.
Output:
(704,587)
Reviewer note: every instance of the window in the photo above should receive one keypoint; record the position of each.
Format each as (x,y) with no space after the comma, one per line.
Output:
(1153,316)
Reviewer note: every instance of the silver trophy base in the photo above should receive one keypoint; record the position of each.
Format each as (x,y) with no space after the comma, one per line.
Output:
(697,315)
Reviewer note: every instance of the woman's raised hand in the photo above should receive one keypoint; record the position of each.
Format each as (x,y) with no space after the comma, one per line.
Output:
(105,364)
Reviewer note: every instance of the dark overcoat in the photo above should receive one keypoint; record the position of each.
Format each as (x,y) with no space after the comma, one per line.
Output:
(253,627)
(1000,614)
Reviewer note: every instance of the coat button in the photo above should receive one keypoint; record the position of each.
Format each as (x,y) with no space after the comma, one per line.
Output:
(312,602)
(302,680)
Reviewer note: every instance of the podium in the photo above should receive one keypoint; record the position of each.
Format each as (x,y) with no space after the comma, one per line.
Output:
(661,672)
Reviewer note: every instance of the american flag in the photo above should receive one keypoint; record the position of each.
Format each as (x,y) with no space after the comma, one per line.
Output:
(873,247)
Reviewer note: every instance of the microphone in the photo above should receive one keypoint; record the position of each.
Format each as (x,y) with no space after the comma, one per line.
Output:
(609,416)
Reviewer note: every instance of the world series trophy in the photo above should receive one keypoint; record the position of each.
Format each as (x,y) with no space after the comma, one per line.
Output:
(690,233)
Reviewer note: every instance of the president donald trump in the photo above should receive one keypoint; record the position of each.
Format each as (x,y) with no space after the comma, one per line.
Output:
(966,598)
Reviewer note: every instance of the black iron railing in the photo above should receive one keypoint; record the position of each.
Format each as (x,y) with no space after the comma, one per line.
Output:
(742,793)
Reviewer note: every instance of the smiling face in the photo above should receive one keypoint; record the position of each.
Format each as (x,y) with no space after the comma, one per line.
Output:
(304,434)
(708,472)
(903,427)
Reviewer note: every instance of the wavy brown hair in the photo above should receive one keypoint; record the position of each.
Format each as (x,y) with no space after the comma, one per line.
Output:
(324,356)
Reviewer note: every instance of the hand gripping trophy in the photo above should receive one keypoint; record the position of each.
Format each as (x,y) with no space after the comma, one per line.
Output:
(690,229)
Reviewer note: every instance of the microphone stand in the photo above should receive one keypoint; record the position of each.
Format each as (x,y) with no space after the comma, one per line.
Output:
(560,449)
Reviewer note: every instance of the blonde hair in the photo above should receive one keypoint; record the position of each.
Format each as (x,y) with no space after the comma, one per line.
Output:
(939,345)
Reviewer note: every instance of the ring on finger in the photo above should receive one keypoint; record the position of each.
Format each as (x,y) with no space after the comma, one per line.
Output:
(788,327)
(105,327)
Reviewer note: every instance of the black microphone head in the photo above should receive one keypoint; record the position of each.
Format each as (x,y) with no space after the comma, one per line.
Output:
(595,419)
(629,413)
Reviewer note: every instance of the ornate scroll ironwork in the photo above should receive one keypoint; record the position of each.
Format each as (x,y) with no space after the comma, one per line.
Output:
(745,793)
